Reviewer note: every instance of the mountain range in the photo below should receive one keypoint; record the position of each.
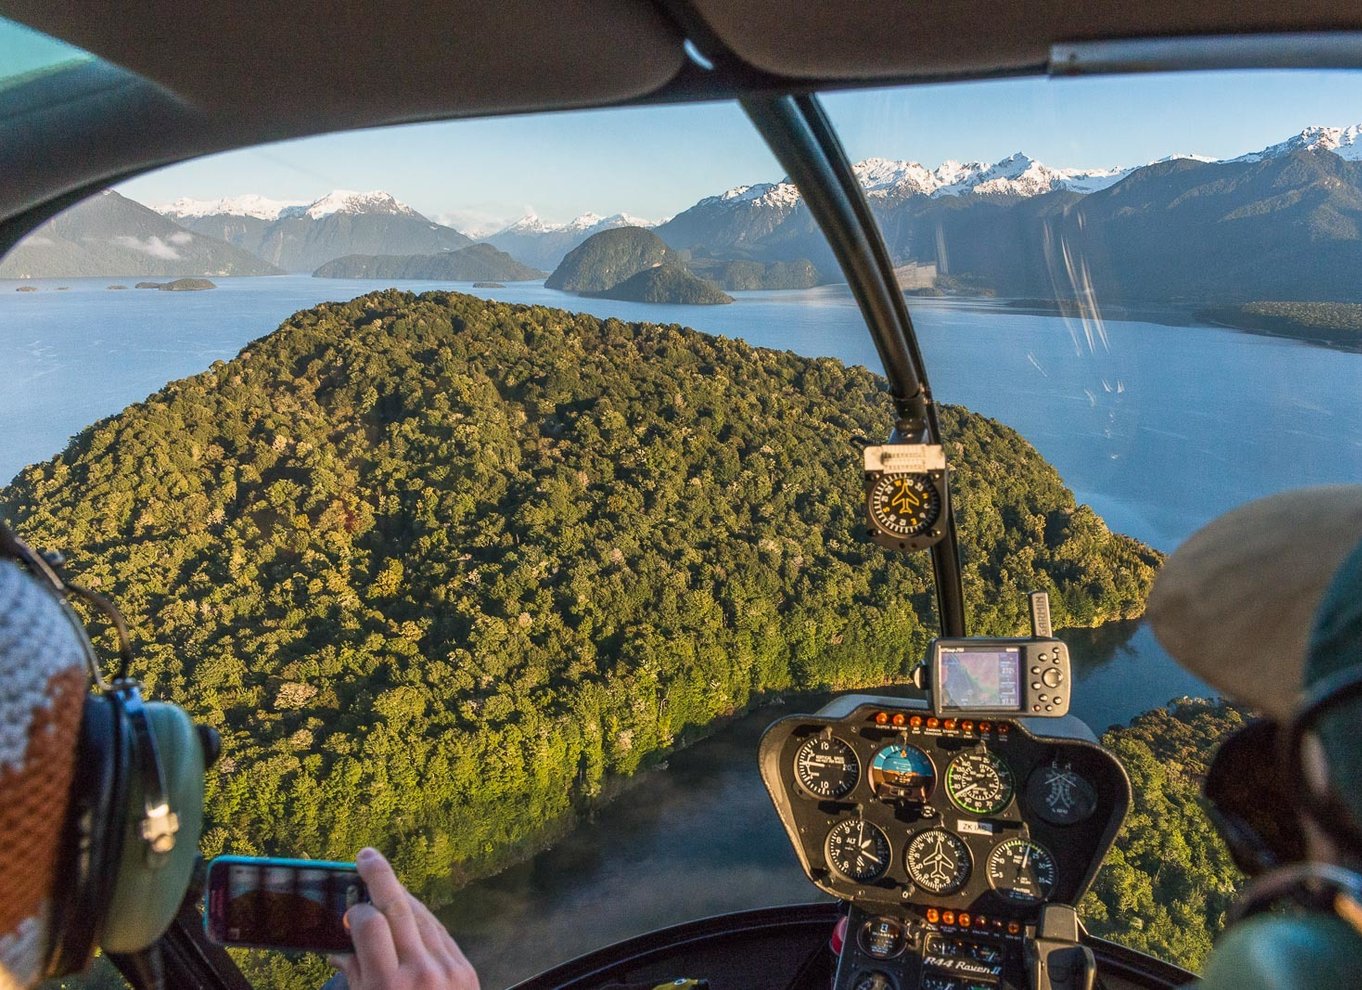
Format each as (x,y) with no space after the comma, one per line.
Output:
(1282,222)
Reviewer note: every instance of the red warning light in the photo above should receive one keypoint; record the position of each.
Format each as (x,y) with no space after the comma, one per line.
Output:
(980,921)
(915,721)
(985,726)
(1013,928)
(967,725)
(899,718)
(932,723)
(933,915)
(948,917)
(1004,728)
(949,724)
(881,718)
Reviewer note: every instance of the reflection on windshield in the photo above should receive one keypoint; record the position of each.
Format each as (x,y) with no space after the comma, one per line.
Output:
(459,562)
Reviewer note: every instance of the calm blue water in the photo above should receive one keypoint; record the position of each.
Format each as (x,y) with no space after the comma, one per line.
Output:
(1158,428)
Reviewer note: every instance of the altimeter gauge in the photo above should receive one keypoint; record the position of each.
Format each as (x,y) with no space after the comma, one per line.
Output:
(938,861)
(1022,871)
(857,850)
(905,494)
(979,782)
(826,767)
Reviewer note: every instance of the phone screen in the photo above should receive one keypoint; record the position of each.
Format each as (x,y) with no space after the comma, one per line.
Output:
(282,904)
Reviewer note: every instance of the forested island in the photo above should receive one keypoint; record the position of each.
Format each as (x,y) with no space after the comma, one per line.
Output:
(442,569)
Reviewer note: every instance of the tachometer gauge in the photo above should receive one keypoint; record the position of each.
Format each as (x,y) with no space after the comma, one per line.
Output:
(1059,795)
(979,782)
(826,767)
(902,772)
(1022,871)
(938,861)
(857,850)
(904,505)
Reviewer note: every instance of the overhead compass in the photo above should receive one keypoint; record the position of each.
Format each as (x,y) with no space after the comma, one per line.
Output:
(905,494)
(904,504)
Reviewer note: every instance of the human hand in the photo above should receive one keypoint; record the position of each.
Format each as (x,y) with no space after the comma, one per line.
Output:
(399,944)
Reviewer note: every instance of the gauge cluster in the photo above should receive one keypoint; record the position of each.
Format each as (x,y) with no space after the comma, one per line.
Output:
(889,805)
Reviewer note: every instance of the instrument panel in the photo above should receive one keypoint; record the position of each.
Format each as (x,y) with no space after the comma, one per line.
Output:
(888,806)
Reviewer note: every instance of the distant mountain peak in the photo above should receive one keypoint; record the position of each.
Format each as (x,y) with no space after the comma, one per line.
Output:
(248,205)
(348,201)
(1346,142)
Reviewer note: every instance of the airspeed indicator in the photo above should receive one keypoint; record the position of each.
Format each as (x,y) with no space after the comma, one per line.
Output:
(826,767)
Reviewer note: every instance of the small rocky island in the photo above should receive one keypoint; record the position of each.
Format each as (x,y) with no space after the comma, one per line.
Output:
(666,284)
(179,285)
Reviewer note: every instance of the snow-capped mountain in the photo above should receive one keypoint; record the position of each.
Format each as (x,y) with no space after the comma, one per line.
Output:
(544,244)
(1346,142)
(249,205)
(345,201)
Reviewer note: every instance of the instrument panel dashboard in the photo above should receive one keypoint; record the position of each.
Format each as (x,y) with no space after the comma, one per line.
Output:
(889,806)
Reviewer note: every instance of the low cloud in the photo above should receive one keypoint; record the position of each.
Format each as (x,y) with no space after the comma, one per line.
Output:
(153,246)
(37,240)
(181,237)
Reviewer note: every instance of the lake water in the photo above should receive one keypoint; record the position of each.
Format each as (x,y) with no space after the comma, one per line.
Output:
(1159,428)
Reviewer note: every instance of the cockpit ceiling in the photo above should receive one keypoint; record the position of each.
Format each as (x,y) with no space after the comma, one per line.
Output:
(363,62)
(408,59)
(833,41)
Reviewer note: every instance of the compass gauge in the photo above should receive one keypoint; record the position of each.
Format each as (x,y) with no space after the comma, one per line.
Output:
(938,861)
(904,505)
(1059,795)
(979,782)
(826,767)
(857,850)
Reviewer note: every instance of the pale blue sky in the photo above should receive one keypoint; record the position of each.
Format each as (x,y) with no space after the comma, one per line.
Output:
(655,162)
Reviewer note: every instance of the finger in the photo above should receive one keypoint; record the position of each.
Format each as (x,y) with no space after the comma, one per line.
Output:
(375,953)
(435,936)
(387,894)
(433,932)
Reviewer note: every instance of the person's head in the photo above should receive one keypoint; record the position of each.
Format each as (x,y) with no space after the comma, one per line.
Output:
(101,793)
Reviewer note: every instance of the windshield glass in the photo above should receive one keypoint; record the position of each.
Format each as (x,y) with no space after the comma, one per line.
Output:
(25,55)
(401,453)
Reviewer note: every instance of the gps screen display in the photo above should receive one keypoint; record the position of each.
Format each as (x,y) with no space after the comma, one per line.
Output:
(980,678)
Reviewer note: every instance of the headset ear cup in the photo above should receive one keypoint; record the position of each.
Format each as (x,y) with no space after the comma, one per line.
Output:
(91,844)
(147,895)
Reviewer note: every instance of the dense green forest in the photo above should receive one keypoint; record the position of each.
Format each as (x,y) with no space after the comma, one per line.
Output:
(1335,323)
(439,569)
(666,284)
(1166,885)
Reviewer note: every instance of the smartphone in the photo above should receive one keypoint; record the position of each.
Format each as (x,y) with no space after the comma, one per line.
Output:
(281,903)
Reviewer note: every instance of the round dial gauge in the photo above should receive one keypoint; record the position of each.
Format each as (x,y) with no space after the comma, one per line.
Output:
(826,767)
(883,937)
(979,782)
(1060,796)
(873,981)
(1022,870)
(904,504)
(938,861)
(857,850)
(902,772)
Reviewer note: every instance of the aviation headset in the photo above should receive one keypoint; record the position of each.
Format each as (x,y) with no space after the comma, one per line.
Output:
(130,836)
(1277,759)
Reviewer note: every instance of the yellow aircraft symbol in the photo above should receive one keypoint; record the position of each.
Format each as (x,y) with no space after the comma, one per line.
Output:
(905,499)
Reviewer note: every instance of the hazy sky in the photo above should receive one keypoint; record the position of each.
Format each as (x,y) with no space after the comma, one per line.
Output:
(655,162)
